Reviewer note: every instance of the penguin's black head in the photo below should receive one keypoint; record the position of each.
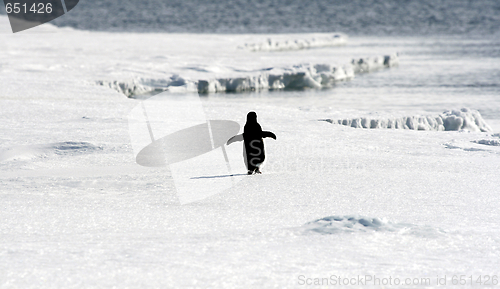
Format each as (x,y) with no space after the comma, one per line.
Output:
(252,117)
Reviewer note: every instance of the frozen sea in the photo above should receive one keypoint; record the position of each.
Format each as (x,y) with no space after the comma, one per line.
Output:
(333,201)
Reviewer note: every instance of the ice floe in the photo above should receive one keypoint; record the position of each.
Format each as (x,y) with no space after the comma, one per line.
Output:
(294,77)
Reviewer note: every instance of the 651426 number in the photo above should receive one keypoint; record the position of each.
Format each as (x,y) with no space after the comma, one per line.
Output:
(36,8)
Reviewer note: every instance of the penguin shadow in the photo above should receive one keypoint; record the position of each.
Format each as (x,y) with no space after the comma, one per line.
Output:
(215,177)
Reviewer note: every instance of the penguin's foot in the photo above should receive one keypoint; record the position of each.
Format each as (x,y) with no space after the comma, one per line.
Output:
(253,172)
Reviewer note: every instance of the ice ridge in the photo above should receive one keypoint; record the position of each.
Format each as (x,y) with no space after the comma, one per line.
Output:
(451,120)
(297,44)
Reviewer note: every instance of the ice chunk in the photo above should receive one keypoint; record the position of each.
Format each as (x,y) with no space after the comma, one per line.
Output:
(338,224)
(489,142)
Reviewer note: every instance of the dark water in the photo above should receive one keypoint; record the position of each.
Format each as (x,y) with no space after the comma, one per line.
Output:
(435,74)
(354,17)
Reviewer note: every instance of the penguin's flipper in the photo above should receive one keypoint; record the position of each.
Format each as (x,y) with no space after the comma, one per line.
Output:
(238,137)
(268,134)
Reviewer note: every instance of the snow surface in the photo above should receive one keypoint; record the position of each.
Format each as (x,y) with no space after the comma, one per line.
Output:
(77,211)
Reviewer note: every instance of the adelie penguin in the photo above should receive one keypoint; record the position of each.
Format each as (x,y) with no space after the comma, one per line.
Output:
(253,151)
